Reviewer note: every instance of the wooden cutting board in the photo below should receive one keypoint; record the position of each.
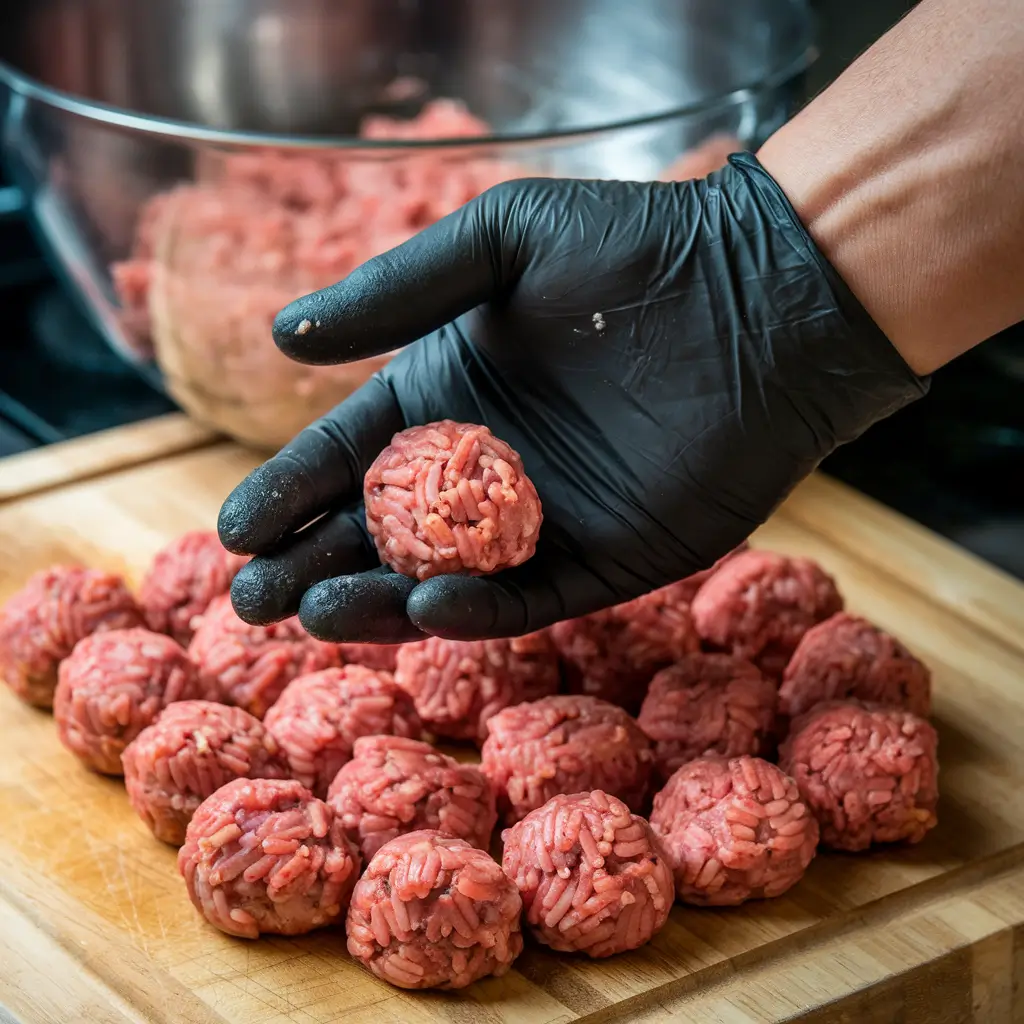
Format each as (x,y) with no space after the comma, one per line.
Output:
(95,925)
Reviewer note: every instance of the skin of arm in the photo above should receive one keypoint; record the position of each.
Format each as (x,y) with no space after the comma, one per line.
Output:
(908,172)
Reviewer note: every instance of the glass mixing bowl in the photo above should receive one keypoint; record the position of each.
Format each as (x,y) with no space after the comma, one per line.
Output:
(194,165)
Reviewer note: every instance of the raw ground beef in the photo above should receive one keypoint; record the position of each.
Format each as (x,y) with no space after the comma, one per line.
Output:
(431,911)
(459,685)
(251,665)
(395,785)
(567,744)
(687,588)
(114,684)
(379,656)
(869,773)
(265,856)
(734,830)
(184,578)
(191,750)
(612,654)
(42,622)
(594,878)
(450,497)
(710,155)
(759,604)
(708,704)
(319,717)
(846,656)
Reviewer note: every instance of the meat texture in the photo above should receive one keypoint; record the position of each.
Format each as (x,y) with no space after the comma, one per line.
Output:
(708,704)
(377,656)
(450,498)
(568,744)
(612,654)
(594,878)
(114,684)
(191,750)
(459,685)
(869,773)
(42,622)
(394,785)
(759,604)
(431,911)
(265,856)
(184,578)
(735,829)
(847,657)
(320,716)
(250,666)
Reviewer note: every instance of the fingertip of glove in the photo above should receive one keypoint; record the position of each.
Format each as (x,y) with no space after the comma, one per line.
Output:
(456,607)
(362,608)
(262,592)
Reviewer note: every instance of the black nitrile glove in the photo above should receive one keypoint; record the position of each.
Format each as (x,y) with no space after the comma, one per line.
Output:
(669,360)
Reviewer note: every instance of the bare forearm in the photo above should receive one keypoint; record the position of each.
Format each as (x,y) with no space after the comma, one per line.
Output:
(909,174)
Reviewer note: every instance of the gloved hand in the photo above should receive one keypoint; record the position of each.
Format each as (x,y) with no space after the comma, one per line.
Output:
(669,360)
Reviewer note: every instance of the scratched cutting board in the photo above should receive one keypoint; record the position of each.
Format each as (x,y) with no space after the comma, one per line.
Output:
(95,925)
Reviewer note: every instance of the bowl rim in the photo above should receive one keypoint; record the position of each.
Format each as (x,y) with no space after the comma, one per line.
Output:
(801,56)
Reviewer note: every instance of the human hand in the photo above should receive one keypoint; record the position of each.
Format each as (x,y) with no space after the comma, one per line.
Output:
(669,360)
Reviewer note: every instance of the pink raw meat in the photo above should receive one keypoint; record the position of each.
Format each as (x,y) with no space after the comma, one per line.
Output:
(708,704)
(734,830)
(459,685)
(868,772)
(42,622)
(450,497)
(846,656)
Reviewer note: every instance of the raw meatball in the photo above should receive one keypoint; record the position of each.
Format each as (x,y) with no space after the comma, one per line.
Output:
(113,685)
(191,750)
(869,773)
(688,587)
(734,830)
(395,785)
(265,856)
(42,622)
(431,911)
(612,654)
(458,685)
(319,716)
(759,605)
(451,497)
(845,656)
(594,878)
(708,704)
(564,745)
(251,665)
(378,656)
(184,578)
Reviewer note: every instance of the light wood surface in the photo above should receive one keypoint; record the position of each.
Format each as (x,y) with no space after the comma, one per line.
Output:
(95,924)
(44,468)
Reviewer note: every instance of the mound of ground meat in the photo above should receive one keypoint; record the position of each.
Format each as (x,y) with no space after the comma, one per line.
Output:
(708,704)
(431,911)
(759,604)
(594,878)
(265,856)
(869,773)
(612,654)
(319,717)
(378,656)
(567,744)
(395,785)
(42,622)
(251,665)
(734,830)
(184,578)
(459,685)
(191,750)
(846,656)
(113,685)
(450,497)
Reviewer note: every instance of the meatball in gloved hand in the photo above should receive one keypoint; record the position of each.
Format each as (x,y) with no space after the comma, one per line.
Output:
(668,359)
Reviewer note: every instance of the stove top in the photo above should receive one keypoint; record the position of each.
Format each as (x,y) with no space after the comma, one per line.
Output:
(951,461)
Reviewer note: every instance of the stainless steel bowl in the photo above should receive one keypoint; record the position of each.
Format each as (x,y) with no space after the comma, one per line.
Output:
(109,102)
